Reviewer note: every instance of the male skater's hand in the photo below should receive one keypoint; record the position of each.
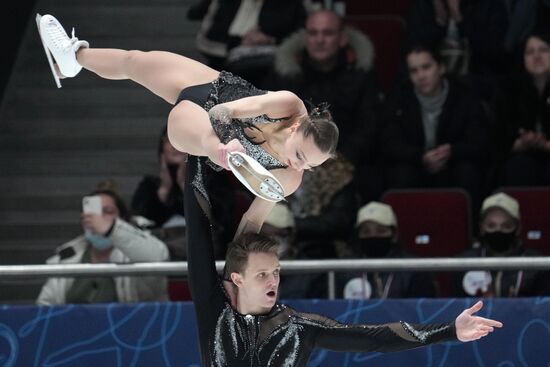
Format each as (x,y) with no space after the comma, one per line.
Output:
(224,150)
(470,327)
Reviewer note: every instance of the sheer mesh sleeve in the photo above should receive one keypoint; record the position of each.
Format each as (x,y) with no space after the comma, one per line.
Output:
(392,337)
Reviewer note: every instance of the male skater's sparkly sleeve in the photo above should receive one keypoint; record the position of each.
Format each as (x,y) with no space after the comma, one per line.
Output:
(392,337)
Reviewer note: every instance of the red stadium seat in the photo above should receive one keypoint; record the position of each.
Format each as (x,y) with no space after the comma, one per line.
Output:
(178,289)
(372,7)
(432,223)
(387,33)
(534,208)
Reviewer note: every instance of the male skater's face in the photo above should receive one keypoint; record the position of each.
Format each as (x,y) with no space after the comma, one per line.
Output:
(259,284)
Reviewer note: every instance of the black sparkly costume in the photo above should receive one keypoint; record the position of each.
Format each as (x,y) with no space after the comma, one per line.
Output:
(227,88)
(283,337)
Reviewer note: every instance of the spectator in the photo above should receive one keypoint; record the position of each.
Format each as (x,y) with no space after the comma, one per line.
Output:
(523,118)
(469,33)
(436,132)
(329,62)
(159,198)
(377,236)
(281,226)
(323,208)
(240,36)
(500,228)
(107,238)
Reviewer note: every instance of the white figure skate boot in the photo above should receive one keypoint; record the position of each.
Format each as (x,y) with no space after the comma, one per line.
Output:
(255,177)
(58,45)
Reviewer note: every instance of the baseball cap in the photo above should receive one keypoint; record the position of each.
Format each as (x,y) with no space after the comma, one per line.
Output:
(502,201)
(280,217)
(377,212)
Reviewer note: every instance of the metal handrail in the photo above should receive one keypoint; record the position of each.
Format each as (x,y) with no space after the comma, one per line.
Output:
(289,266)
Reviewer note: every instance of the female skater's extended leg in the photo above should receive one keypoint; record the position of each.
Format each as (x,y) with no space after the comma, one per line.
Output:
(163,73)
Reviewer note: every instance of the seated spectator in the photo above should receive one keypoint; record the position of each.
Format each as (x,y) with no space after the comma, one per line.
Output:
(333,63)
(160,198)
(435,132)
(323,208)
(241,36)
(108,238)
(500,228)
(523,119)
(377,237)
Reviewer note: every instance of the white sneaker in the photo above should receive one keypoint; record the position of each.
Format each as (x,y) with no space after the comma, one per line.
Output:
(60,46)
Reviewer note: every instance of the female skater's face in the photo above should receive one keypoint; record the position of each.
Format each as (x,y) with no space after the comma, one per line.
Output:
(302,153)
(425,72)
(259,285)
(537,57)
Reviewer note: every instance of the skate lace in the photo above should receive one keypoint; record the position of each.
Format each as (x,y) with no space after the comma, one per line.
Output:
(61,39)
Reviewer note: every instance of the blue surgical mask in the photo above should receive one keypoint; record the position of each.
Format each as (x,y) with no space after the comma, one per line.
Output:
(100,243)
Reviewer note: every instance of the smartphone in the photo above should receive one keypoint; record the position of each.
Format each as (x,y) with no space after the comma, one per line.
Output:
(92,205)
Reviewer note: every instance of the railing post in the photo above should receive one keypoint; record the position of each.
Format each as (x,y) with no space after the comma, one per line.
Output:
(331,285)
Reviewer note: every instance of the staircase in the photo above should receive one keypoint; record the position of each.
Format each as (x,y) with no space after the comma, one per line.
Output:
(57,144)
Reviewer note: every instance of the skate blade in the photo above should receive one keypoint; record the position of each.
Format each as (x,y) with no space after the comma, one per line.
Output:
(48,53)
(255,177)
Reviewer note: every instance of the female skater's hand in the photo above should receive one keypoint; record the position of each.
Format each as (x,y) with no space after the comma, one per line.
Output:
(470,327)
(224,150)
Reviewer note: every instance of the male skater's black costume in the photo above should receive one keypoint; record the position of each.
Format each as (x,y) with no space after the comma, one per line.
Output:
(283,337)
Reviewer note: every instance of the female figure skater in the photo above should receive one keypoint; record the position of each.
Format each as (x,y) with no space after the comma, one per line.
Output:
(215,113)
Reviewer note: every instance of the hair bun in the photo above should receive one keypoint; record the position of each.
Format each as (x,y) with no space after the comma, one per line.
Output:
(321,111)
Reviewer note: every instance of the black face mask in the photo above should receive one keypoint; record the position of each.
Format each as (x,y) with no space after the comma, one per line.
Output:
(375,247)
(499,242)
(173,170)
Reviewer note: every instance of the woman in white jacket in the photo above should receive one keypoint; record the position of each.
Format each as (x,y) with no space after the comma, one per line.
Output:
(108,237)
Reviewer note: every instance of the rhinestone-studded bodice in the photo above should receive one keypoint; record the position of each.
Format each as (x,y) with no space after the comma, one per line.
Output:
(227,88)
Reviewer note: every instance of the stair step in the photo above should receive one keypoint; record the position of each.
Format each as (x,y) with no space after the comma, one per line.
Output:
(78,142)
(44,245)
(115,19)
(96,164)
(45,217)
(74,97)
(38,232)
(80,126)
(62,185)
(122,111)
(34,202)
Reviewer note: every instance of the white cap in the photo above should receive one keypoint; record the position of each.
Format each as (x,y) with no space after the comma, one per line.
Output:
(502,201)
(377,212)
(280,217)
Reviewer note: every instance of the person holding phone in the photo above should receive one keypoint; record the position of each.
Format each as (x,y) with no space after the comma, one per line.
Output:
(108,238)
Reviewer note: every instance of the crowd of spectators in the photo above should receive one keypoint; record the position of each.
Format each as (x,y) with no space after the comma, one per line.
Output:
(470,108)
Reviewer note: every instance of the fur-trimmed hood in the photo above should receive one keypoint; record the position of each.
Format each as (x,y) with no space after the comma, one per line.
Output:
(288,53)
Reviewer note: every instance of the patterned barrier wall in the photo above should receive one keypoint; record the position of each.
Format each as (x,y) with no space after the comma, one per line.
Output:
(156,335)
